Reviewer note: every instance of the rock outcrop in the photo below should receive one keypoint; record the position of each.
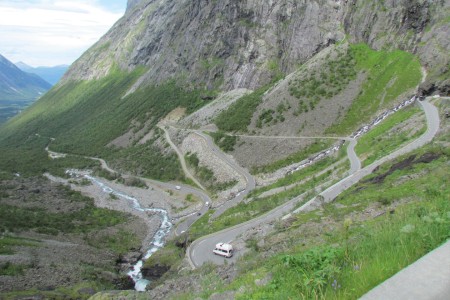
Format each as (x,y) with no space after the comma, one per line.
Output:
(233,44)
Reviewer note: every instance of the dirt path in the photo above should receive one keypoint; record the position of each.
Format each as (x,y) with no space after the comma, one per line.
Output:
(180,158)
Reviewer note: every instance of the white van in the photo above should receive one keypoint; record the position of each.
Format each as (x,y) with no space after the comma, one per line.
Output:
(223,249)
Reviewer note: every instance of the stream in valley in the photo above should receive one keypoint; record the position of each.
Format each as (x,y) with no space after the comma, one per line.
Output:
(158,239)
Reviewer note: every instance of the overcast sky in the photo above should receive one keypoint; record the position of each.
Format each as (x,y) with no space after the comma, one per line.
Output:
(52,32)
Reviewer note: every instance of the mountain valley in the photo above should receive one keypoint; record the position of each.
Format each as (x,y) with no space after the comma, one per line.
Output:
(17,89)
(312,135)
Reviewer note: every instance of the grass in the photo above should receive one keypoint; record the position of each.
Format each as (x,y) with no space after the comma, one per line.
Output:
(353,255)
(379,142)
(239,115)
(364,257)
(389,246)
(317,146)
(295,177)
(246,211)
(389,75)
(86,219)
(78,291)
(9,269)
(8,243)
(119,241)
(323,84)
(168,256)
(224,141)
(85,116)
(198,228)
(375,250)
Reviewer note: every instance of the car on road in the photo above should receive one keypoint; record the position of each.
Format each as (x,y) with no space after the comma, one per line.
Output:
(177,187)
(223,249)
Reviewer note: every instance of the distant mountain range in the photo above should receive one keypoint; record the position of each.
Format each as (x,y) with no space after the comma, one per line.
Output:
(18,89)
(50,74)
(16,84)
(284,83)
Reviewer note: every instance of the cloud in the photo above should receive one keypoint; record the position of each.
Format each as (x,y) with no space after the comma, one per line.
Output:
(52,32)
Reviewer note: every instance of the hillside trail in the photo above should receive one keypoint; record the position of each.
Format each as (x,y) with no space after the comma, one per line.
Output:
(180,157)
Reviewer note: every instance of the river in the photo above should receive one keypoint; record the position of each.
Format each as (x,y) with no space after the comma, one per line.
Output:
(158,239)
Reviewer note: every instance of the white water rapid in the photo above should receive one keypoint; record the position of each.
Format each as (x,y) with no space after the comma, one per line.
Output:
(158,239)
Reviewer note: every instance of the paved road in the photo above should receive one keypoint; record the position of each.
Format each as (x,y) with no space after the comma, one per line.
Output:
(355,163)
(289,137)
(426,279)
(250,181)
(200,251)
(433,122)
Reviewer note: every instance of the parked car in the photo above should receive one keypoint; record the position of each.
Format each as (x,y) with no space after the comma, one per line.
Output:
(223,249)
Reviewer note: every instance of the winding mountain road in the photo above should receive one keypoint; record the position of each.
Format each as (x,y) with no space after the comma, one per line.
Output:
(200,251)
(250,181)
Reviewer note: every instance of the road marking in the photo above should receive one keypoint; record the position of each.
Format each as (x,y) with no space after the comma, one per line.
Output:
(201,242)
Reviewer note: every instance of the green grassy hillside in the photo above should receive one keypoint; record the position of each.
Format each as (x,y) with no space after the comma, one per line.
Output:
(388,75)
(84,117)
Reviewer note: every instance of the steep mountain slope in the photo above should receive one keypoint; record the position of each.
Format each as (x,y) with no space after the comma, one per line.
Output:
(18,85)
(50,74)
(268,80)
(233,44)
(124,84)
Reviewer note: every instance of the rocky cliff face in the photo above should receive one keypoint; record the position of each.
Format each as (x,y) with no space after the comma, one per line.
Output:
(131,4)
(233,44)
(418,26)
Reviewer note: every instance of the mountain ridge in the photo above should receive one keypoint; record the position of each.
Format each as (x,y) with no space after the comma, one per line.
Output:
(18,85)
(245,44)
(281,87)
(50,74)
